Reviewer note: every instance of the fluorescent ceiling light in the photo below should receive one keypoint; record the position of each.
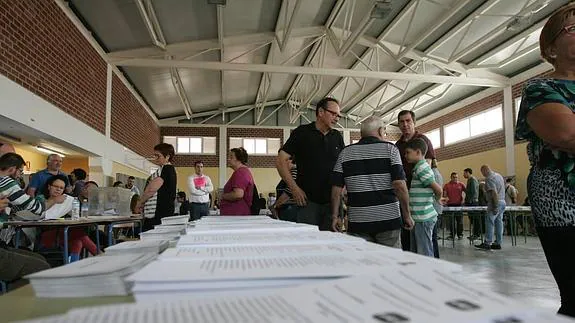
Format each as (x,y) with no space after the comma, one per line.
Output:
(49,151)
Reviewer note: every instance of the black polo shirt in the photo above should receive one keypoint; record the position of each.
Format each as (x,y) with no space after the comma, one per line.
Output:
(401,144)
(316,155)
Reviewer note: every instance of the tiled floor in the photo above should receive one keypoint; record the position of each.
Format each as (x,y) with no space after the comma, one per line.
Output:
(520,272)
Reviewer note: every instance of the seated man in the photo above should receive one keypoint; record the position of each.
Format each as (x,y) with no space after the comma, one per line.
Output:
(16,263)
(185,207)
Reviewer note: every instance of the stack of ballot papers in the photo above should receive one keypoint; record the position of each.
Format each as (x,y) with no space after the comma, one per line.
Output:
(252,226)
(177,219)
(93,276)
(170,233)
(265,238)
(393,295)
(217,273)
(133,247)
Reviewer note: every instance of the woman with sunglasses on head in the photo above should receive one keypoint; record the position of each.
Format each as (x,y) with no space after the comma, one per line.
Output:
(157,201)
(77,237)
(546,120)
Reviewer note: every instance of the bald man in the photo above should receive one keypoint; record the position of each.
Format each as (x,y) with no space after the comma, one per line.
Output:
(372,172)
(495,193)
(6,148)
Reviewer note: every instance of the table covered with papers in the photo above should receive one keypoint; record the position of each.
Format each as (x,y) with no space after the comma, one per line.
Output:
(230,269)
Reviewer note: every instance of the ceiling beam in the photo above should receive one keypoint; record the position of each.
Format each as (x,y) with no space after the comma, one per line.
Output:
(220,20)
(491,34)
(171,120)
(148,14)
(306,70)
(522,35)
(63,5)
(411,53)
(187,48)
(364,41)
(315,48)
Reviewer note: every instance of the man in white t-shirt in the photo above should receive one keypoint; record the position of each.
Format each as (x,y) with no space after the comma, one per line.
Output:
(200,187)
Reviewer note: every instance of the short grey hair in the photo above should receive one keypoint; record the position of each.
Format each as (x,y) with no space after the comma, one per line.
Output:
(370,126)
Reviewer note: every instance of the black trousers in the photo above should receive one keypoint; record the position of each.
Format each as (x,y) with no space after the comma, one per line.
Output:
(457,226)
(557,244)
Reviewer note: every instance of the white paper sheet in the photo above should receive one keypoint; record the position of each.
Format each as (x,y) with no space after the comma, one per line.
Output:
(93,266)
(267,251)
(265,238)
(251,227)
(393,296)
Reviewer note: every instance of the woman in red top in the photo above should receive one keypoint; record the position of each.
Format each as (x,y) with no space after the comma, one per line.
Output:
(238,191)
(77,237)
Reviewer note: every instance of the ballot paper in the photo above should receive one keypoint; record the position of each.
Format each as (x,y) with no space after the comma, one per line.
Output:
(132,247)
(232,218)
(93,276)
(177,219)
(172,279)
(163,233)
(193,253)
(252,227)
(394,295)
(265,238)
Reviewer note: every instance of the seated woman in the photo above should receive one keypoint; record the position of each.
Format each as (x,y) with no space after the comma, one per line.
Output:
(77,237)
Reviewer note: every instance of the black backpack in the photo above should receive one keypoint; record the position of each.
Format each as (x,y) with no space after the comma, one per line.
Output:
(255,207)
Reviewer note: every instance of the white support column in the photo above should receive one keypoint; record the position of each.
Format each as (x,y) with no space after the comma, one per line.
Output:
(347,137)
(99,168)
(109,101)
(223,156)
(509,121)
(287,133)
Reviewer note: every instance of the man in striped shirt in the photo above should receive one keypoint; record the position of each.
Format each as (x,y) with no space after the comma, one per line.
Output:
(16,263)
(424,191)
(373,175)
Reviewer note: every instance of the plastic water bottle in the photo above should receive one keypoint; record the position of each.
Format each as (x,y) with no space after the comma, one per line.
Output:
(84,209)
(75,209)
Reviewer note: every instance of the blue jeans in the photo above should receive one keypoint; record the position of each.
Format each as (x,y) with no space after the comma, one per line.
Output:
(423,234)
(434,237)
(494,220)
(199,210)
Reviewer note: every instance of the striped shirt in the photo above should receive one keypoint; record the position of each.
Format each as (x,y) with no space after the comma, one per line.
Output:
(421,195)
(18,199)
(367,169)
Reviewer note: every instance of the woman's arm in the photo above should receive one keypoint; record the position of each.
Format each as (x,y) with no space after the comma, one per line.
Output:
(235,195)
(151,189)
(554,123)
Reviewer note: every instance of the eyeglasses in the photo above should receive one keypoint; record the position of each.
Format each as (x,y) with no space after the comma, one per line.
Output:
(333,113)
(570,29)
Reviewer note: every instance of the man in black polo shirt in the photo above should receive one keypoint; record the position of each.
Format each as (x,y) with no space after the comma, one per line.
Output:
(406,123)
(372,172)
(315,146)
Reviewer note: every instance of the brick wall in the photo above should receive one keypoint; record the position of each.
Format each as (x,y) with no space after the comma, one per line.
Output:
(189,160)
(42,50)
(131,125)
(257,161)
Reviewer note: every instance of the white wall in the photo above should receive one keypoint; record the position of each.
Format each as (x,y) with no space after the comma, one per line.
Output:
(25,107)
